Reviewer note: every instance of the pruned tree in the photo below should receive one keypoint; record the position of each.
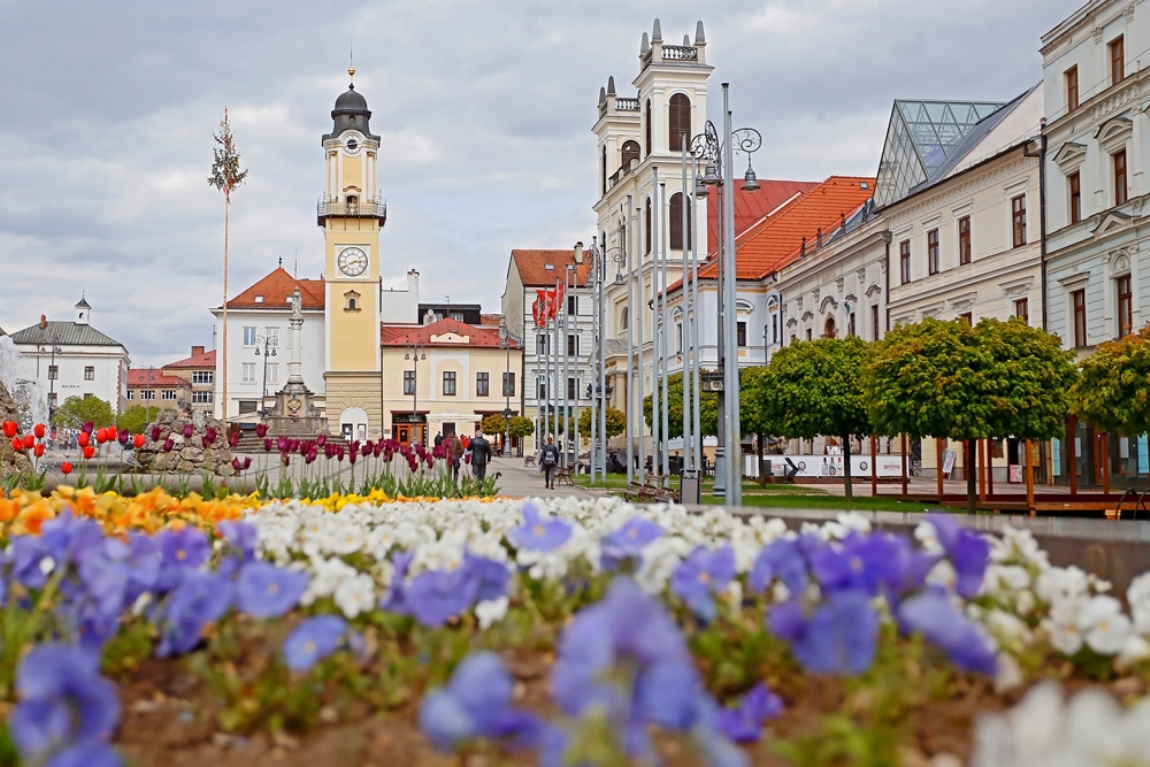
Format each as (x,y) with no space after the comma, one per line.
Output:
(77,411)
(948,379)
(812,388)
(1114,390)
(708,409)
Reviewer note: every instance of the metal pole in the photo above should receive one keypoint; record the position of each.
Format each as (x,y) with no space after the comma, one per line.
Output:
(665,321)
(693,313)
(575,401)
(684,296)
(603,365)
(566,363)
(594,357)
(656,330)
(640,305)
(719,489)
(731,371)
(555,359)
(631,425)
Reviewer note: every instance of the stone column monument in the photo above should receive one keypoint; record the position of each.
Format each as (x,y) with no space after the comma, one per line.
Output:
(294,413)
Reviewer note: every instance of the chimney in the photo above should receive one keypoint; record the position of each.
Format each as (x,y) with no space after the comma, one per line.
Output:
(579,252)
(197,351)
(43,322)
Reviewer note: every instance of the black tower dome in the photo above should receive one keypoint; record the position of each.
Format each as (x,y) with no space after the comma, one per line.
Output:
(350,113)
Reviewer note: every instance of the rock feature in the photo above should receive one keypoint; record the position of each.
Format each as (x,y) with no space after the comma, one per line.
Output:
(10,460)
(188,455)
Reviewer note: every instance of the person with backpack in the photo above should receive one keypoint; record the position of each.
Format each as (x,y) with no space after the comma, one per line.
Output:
(548,462)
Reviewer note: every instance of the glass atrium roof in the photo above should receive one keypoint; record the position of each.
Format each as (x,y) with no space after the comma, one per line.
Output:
(921,136)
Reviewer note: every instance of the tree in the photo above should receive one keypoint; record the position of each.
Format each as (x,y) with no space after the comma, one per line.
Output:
(226,177)
(77,411)
(1114,390)
(812,388)
(708,409)
(616,422)
(522,426)
(948,379)
(493,424)
(134,420)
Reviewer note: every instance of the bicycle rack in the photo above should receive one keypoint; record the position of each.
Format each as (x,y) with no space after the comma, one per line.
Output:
(1140,502)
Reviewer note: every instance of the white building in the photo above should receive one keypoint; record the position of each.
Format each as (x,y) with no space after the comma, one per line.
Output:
(73,359)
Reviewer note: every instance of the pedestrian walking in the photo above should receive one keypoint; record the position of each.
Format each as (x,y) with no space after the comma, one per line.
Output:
(453,448)
(548,462)
(480,455)
(439,439)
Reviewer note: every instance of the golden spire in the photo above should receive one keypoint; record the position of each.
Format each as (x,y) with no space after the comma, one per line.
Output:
(351,65)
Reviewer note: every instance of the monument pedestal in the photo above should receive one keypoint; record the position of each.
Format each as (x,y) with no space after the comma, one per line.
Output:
(295,414)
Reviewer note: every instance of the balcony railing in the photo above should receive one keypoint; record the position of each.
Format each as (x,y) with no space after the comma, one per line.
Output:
(368,209)
(680,53)
(626,105)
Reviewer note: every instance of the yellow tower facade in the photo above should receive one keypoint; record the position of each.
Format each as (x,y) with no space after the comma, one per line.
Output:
(352,214)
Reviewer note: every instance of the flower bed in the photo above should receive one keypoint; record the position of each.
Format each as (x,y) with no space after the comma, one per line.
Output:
(563,632)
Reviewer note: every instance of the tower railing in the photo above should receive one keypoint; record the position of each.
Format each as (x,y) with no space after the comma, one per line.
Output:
(361,208)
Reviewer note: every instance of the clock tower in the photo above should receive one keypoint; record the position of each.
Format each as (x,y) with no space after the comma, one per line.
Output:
(352,213)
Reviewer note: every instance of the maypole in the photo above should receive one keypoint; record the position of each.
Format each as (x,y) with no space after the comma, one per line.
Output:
(226,177)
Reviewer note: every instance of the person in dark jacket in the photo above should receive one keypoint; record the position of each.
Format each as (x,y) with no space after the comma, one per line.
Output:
(480,454)
(548,462)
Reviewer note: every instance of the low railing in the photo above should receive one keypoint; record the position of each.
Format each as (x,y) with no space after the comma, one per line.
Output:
(368,209)
(680,53)
(626,105)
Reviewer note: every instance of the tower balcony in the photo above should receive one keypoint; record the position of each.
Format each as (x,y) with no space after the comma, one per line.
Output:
(351,208)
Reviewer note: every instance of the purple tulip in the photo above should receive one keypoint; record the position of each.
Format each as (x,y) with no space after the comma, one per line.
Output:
(189,430)
(87,427)
(237,467)
(122,437)
(247,462)
(321,440)
(313,640)
(156,432)
(261,430)
(352,457)
(234,440)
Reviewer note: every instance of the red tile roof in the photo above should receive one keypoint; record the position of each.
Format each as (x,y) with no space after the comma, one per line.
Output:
(777,241)
(276,289)
(533,271)
(140,377)
(401,335)
(752,207)
(205,360)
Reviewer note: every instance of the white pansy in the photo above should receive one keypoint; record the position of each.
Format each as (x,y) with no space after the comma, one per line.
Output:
(1138,597)
(355,595)
(1103,626)
(927,537)
(854,521)
(1061,583)
(491,611)
(1135,650)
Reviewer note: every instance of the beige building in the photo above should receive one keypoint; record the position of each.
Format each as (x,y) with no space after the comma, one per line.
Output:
(446,376)
(199,371)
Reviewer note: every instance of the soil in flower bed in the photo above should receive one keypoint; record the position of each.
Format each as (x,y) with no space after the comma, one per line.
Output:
(170,720)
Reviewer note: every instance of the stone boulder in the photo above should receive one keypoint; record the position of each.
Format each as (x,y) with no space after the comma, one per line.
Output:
(187,456)
(10,460)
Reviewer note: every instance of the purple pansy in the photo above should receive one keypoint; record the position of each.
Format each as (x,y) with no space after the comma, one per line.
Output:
(967,551)
(313,640)
(744,723)
(700,577)
(839,637)
(626,543)
(932,614)
(264,590)
(538,534)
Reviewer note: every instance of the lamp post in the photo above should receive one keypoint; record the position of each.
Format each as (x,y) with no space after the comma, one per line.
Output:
(148,407)
(506,391)
(415,353)
(54,344)
(719,157)
(265,347)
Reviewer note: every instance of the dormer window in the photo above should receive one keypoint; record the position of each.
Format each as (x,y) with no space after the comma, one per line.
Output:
(549,267)
(259,299)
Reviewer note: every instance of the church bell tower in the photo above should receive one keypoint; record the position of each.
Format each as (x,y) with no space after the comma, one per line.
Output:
(352,213)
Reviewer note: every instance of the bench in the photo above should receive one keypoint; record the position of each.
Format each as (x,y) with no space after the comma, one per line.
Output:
(650,493)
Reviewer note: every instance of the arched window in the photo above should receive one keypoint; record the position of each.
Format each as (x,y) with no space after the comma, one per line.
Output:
(648,126)
(678,121)
(624,319)
(630,152)
(829,329)
(647,227)
(603,171)
(675,213)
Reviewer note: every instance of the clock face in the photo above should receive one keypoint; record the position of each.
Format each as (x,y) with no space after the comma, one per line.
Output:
(352,261)
(352,144)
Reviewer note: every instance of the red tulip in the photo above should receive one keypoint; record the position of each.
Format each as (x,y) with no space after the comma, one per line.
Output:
(82,439)
(247,462)
(286,458)
(66,467)
(38,430)
(101,436)
(89,451)
(321,440)
(39,449)
(10,428)
(138,441)
(29,441)
(209,436)
(18,444)
(113,433)
(352,457)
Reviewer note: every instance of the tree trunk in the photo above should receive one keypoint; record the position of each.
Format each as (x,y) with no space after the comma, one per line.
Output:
(971,477)
(847,490)
(759,450)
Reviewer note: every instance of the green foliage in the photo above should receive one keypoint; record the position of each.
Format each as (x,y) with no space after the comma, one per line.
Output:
(947,379)
(134,420)
(493,424)
(616,422)
(810,388)
(522,426)
(1114,390)
(708,409)
(76,411)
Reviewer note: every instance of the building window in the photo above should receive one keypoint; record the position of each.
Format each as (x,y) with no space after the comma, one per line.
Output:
(679,337)
(249,336)
(1078,304)
(904,261)
(542,396)
(624,319)
(508,384)
(1120,190)
(201,398)
(964,240)
(648,129)
(572,305)
(203,377)
(1071,89)
(1018,220)
(572,345)
(273,373)
(932,251)
(741,332)
(678,121)
(1074,180)
(147,394)
(1117,60)
(874,329)
(675,222)
(543,343)
(53,372)
(449,383)
(603,172)
(483,384)
(647,227)
(1125,306)
(808,334)
(1022,309)
(630,153)
(168,394)
(249,372)
(248,406)
(131,394)
(572,390)
(409,382)
(968,318)
(88,395)
(89,373)
(851,324)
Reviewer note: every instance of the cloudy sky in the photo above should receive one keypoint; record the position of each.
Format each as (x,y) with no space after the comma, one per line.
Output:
(485,108)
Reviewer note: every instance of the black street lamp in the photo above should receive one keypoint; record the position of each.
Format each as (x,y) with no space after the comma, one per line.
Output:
(53,374)
(265,347)
(415,354)
(503,341)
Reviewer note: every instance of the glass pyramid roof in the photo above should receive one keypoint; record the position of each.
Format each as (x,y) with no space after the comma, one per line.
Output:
(920,138)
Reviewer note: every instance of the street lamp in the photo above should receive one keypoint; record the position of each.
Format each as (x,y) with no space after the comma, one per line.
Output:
(719,158)
(52,372)
(415,354)
(265,347)
(503,342)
